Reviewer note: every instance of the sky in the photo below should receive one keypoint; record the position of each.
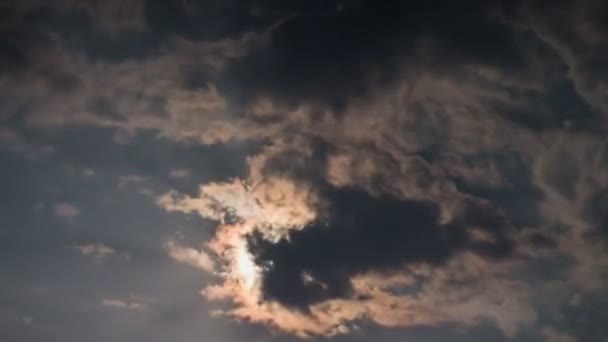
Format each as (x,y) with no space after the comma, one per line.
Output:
(282,171)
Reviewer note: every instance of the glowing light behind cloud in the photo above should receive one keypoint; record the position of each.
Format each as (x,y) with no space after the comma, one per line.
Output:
(271,207)
(245,267)
(276,206)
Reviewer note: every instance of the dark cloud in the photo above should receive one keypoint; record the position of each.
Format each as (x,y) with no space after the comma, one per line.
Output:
(583,318)
(17,40)
(205,20)
(80,33)
(306,168)
(563,174)
(104,107)
(556,107)
(518,197)
(359,233)
(597,211)
(363,45)
(539,240)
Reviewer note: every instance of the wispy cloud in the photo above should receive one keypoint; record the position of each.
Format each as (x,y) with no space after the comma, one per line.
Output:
(88,173)
(128,304)
(16,142)
(179,173)
(99,252)
(66,211)
(190,256)
(28,320)
(551,334)
(264,208)
(124,181)
(411,176)
(110,16)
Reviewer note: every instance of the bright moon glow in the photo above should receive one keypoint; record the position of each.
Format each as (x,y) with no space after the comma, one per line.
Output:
(245,268)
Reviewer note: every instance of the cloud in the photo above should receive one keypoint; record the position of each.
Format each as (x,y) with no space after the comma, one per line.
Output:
(16,142)
(88,173)
(575,300)
(65,211)
(108,16)
(409,171)
(550,334)
(123,304)
(124,181)
(360,234)
(484,189)
(28,320)
(310,274)
(179,173)
(448,189)
(354,58)
(39,207)
(72,89)
(190,256)
(99,252)
(580,49)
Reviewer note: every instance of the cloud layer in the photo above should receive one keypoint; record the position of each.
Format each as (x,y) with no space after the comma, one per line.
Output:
(407,165)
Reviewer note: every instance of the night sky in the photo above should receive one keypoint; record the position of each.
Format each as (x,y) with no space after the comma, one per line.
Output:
(283,171)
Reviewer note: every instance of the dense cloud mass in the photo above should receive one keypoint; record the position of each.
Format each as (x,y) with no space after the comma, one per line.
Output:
(353,165)
(362,234)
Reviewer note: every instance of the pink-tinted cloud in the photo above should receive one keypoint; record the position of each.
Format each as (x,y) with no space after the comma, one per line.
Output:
(190,256)
(65,211)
